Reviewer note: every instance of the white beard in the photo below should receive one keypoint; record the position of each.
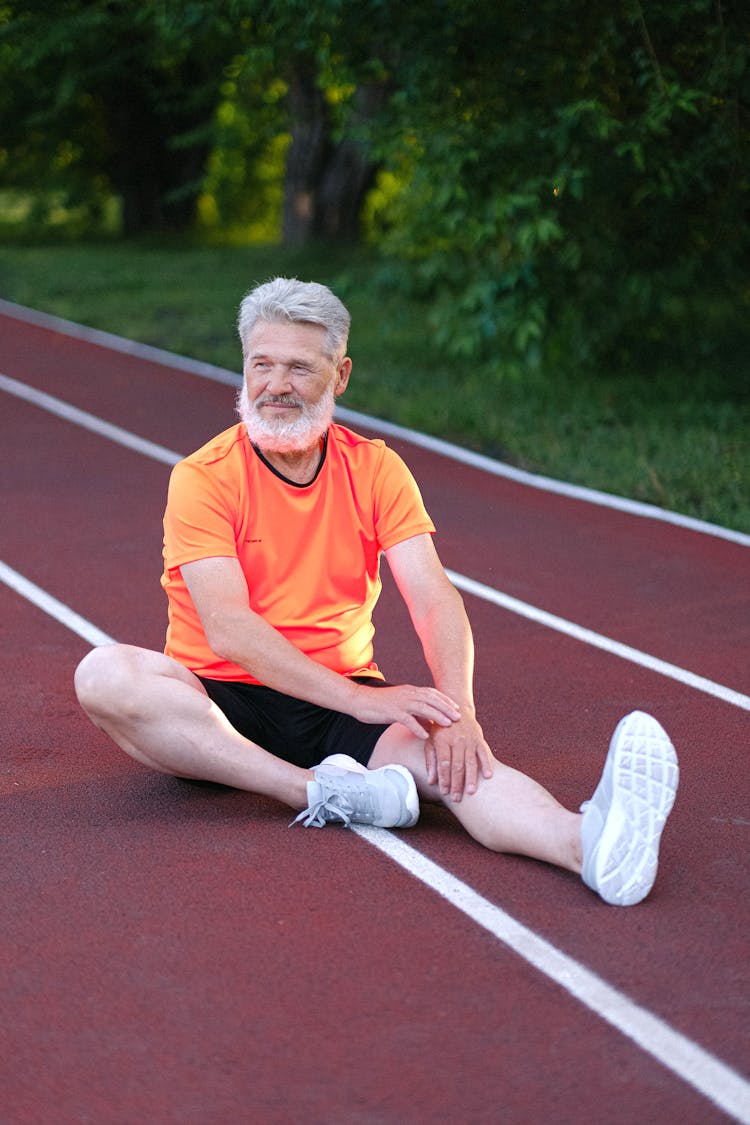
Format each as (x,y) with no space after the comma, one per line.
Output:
(280,436)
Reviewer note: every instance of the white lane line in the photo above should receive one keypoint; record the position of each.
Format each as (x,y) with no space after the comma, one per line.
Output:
(51,606)
(536,480)
(118,343)
(88,421)
(598,640)
(469,585)
(690,1062)
(390,429)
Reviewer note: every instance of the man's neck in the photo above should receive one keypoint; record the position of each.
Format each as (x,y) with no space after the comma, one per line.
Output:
(299,466)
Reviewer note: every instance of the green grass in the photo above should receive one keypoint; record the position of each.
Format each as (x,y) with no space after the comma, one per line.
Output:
(659,436)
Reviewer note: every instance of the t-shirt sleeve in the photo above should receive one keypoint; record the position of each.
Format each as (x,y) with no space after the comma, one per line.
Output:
(400,512)
(198,521)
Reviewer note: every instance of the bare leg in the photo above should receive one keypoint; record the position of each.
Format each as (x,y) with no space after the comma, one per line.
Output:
(509,812)
(159,713)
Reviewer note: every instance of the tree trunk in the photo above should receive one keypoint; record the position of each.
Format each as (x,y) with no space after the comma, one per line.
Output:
(306,156)
(326,182)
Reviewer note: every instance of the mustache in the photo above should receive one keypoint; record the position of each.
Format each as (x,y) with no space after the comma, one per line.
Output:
(278,400)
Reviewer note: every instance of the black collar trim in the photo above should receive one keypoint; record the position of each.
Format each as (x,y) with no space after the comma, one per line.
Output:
(286,480)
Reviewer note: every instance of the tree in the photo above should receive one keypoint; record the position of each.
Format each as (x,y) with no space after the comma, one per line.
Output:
(125,94)
(559,187)
(323,52)
(571,180)
(115,93)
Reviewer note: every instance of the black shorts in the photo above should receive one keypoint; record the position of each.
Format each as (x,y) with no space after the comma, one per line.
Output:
(299,732)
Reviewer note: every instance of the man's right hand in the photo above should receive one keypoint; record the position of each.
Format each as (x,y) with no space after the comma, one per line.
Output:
(414,707)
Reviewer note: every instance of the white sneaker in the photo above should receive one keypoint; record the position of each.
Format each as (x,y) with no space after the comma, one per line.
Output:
(623,821)
(344,791)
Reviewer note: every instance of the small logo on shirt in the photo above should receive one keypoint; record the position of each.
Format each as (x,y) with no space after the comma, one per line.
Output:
(253,540)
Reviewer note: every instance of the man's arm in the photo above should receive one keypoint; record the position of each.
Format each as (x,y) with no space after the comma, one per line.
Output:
(457,754)
(219,592)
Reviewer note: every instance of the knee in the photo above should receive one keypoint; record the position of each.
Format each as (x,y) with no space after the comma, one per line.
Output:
(100,679)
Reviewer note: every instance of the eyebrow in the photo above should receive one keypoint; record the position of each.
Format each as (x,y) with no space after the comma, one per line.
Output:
(293,361)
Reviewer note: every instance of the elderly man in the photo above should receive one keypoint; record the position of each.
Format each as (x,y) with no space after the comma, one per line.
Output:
(273,534)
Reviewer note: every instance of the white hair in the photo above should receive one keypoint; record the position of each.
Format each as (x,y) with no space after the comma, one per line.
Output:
(287,300)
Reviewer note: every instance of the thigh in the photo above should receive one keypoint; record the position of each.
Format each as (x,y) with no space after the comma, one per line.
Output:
(116,672)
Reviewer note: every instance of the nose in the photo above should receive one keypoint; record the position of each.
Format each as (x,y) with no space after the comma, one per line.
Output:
(279,381)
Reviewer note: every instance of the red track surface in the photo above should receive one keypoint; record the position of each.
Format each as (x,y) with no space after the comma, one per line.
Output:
(172,953)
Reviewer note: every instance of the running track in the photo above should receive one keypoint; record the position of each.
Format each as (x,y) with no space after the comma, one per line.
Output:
(172,953)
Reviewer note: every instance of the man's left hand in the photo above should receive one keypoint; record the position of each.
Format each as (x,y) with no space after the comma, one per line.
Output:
(456,756)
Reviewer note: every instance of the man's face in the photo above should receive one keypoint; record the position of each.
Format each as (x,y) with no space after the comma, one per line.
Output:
(290,386)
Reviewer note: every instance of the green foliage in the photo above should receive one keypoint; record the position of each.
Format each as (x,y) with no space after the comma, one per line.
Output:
(568,182)
(242,187)
(108,95)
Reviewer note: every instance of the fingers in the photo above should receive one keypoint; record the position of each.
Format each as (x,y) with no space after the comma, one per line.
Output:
(452,770)
(417,708)
(457,762)
(470,775)
(412,725)
(434,707)
(421,708)
(455,750)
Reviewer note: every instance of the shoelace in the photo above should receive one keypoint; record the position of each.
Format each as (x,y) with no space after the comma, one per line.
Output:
(340,806)
(316,813)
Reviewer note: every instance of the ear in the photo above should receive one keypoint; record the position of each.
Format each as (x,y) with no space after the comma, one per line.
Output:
(342,376)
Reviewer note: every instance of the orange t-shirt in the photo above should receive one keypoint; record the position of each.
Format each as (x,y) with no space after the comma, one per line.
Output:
(310,553)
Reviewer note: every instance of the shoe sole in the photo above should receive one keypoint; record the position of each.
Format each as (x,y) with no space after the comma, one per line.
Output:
(641,775)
